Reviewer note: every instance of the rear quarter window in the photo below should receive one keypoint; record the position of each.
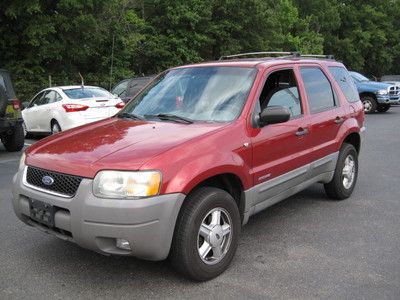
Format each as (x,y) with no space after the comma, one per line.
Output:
(346,83)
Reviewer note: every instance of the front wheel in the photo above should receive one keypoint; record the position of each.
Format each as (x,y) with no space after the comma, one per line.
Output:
(383,107)
(206,234)
(369,104)
(345,176)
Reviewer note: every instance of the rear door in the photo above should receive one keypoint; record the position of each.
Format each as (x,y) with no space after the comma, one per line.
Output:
(280,151)
(326,115)
(48,110)
(43,111)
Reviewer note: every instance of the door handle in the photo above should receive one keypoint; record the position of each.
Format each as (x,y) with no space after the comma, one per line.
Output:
(339,120)
(301,131)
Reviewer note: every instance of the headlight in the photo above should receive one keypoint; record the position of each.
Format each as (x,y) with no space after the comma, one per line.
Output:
(124,184)
(22,161)
(382,92)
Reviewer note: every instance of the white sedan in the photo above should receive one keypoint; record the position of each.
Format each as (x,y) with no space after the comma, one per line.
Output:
(60,108)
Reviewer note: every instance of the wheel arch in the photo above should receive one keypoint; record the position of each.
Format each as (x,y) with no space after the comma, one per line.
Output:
(368,94)
(354,139)
(229,182)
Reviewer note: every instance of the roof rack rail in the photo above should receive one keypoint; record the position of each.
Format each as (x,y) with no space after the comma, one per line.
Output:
(275,53)
(330,56)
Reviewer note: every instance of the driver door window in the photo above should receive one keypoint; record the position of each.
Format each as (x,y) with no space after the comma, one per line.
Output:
(280,89)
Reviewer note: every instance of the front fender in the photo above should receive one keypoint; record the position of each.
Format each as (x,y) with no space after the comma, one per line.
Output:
(183,173)
(198,170)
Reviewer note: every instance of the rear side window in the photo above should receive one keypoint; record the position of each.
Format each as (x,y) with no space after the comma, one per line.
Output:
(318,88)
(48,98)
(346,83)
(121,88)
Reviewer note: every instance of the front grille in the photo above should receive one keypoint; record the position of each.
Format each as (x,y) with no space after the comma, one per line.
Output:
(63,184)
(394,91)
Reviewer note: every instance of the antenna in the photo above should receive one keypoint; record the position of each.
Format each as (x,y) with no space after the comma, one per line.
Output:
(82,82)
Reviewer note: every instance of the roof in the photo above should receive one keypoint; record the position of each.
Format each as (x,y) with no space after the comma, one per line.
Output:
(254,62)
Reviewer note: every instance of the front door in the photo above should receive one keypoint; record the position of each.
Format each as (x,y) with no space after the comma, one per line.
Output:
(29,114)
(280,151)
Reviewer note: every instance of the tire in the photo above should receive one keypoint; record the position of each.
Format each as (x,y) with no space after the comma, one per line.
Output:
(383,107)
(55,127)
(370,104)
(15,141)
(201,208)
(342,185)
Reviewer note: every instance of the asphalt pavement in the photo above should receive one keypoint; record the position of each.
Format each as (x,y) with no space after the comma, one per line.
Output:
(302,248)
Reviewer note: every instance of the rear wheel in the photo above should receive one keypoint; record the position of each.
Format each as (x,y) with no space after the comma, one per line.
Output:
(383,107)
(206,234)
(15,141)
(369,103)
(55,127)
(345,176)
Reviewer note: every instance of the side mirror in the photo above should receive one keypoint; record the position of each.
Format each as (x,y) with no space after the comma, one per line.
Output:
(273,115)
(24,105)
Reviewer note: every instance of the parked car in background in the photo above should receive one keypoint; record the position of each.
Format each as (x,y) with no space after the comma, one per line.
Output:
(60,108)
(375,96)
(11,130)
(128,88)
(180,169)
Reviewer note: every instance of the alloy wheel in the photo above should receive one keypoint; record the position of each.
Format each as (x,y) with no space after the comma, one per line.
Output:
(348,172)
(214,236)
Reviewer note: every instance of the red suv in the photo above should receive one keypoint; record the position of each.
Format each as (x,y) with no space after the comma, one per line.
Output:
(202,148)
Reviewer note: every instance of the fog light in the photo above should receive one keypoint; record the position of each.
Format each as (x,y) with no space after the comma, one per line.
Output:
(123,244)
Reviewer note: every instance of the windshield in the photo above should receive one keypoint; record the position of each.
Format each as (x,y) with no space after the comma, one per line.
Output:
(215,94)
(86,92)
(359,77)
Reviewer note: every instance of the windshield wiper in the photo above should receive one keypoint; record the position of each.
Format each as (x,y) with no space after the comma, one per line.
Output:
(171,117)
(130,116)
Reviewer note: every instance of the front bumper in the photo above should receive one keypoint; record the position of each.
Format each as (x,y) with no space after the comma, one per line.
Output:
(95,223)
(386,99)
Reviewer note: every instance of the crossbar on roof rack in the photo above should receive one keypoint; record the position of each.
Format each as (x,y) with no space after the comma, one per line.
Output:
(277,53)
(330,56)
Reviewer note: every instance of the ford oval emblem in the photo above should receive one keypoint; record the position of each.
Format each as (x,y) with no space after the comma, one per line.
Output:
(47,180)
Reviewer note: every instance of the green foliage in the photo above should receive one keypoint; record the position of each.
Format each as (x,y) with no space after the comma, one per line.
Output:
(60,38)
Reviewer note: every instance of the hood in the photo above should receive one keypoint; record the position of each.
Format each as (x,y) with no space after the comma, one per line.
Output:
(373,85)
(396,83)
(114,143)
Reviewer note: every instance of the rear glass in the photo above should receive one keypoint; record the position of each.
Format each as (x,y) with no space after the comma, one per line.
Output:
(84,93)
